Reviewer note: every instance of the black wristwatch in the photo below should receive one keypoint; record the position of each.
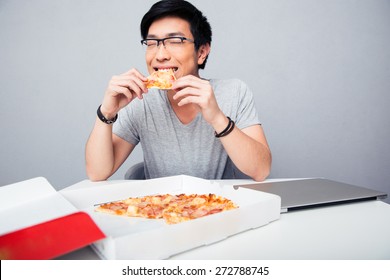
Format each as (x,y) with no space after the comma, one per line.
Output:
(103,118)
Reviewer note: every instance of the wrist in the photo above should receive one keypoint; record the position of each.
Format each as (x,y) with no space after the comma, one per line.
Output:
(107,113)
(220,123)
(228,129)
(103,118)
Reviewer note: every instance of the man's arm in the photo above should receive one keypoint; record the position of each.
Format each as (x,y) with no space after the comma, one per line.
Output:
(105,152)
(247,148)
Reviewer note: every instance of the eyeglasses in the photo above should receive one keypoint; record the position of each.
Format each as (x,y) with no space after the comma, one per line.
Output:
(170,43)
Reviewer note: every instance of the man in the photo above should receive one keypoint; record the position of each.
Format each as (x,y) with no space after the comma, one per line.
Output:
(196,128)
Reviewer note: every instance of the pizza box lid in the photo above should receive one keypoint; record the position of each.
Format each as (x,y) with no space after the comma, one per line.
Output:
(138,238)
(36,222)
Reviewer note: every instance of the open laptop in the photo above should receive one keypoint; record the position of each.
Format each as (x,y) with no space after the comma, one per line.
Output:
(306,193)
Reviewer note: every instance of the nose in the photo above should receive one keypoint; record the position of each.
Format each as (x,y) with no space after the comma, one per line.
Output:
(162,53)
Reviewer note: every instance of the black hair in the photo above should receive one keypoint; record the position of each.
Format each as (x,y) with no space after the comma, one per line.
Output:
(200,27)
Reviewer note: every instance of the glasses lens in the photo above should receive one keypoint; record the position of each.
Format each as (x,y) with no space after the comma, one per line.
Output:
(170,43)
(173,41)
(149,44)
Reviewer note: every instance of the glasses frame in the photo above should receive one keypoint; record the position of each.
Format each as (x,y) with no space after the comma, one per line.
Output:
(145,41)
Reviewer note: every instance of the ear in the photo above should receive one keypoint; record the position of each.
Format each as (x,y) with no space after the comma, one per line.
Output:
(203,52)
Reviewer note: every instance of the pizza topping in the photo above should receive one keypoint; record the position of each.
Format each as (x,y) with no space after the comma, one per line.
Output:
(172,208)
(161,79)
(132,210)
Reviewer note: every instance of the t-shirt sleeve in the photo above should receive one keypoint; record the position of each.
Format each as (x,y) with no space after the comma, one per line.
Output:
(246,112)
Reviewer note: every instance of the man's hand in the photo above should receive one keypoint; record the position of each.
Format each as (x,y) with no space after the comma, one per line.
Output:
(193,90)
(121,90)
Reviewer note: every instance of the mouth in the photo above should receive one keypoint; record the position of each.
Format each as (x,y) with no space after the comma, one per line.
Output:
(174,69)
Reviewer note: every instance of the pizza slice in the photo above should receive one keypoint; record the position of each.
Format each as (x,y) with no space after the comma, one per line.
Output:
(196,206)
(161,79)
(150,207)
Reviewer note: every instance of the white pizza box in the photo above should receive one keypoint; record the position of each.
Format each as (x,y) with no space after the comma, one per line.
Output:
(138,238)
(37,222)
(30,202)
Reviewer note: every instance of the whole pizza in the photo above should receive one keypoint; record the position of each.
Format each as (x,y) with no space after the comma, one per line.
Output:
(172,208)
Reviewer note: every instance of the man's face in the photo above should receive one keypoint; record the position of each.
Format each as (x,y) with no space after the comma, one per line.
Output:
(184,59)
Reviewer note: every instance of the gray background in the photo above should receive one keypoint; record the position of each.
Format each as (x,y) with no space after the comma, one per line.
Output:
(320,72)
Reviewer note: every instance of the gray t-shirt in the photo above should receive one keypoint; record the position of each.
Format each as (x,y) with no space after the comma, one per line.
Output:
(172,148)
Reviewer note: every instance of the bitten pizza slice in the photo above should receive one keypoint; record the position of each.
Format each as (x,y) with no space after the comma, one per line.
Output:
(161,79)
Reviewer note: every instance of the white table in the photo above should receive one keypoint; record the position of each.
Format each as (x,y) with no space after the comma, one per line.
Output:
(359,230)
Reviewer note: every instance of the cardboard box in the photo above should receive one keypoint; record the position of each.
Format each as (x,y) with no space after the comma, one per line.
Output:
(36,222)
(137,238)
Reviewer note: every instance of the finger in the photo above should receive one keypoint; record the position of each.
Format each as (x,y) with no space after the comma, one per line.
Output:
(141,84)
(122,90)
(136,73)
(127,80)
(135,89)
(186,92)
(189,81)
(189,100)
(134,84)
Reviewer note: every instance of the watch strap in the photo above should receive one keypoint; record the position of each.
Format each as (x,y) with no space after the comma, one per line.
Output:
(103,118)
